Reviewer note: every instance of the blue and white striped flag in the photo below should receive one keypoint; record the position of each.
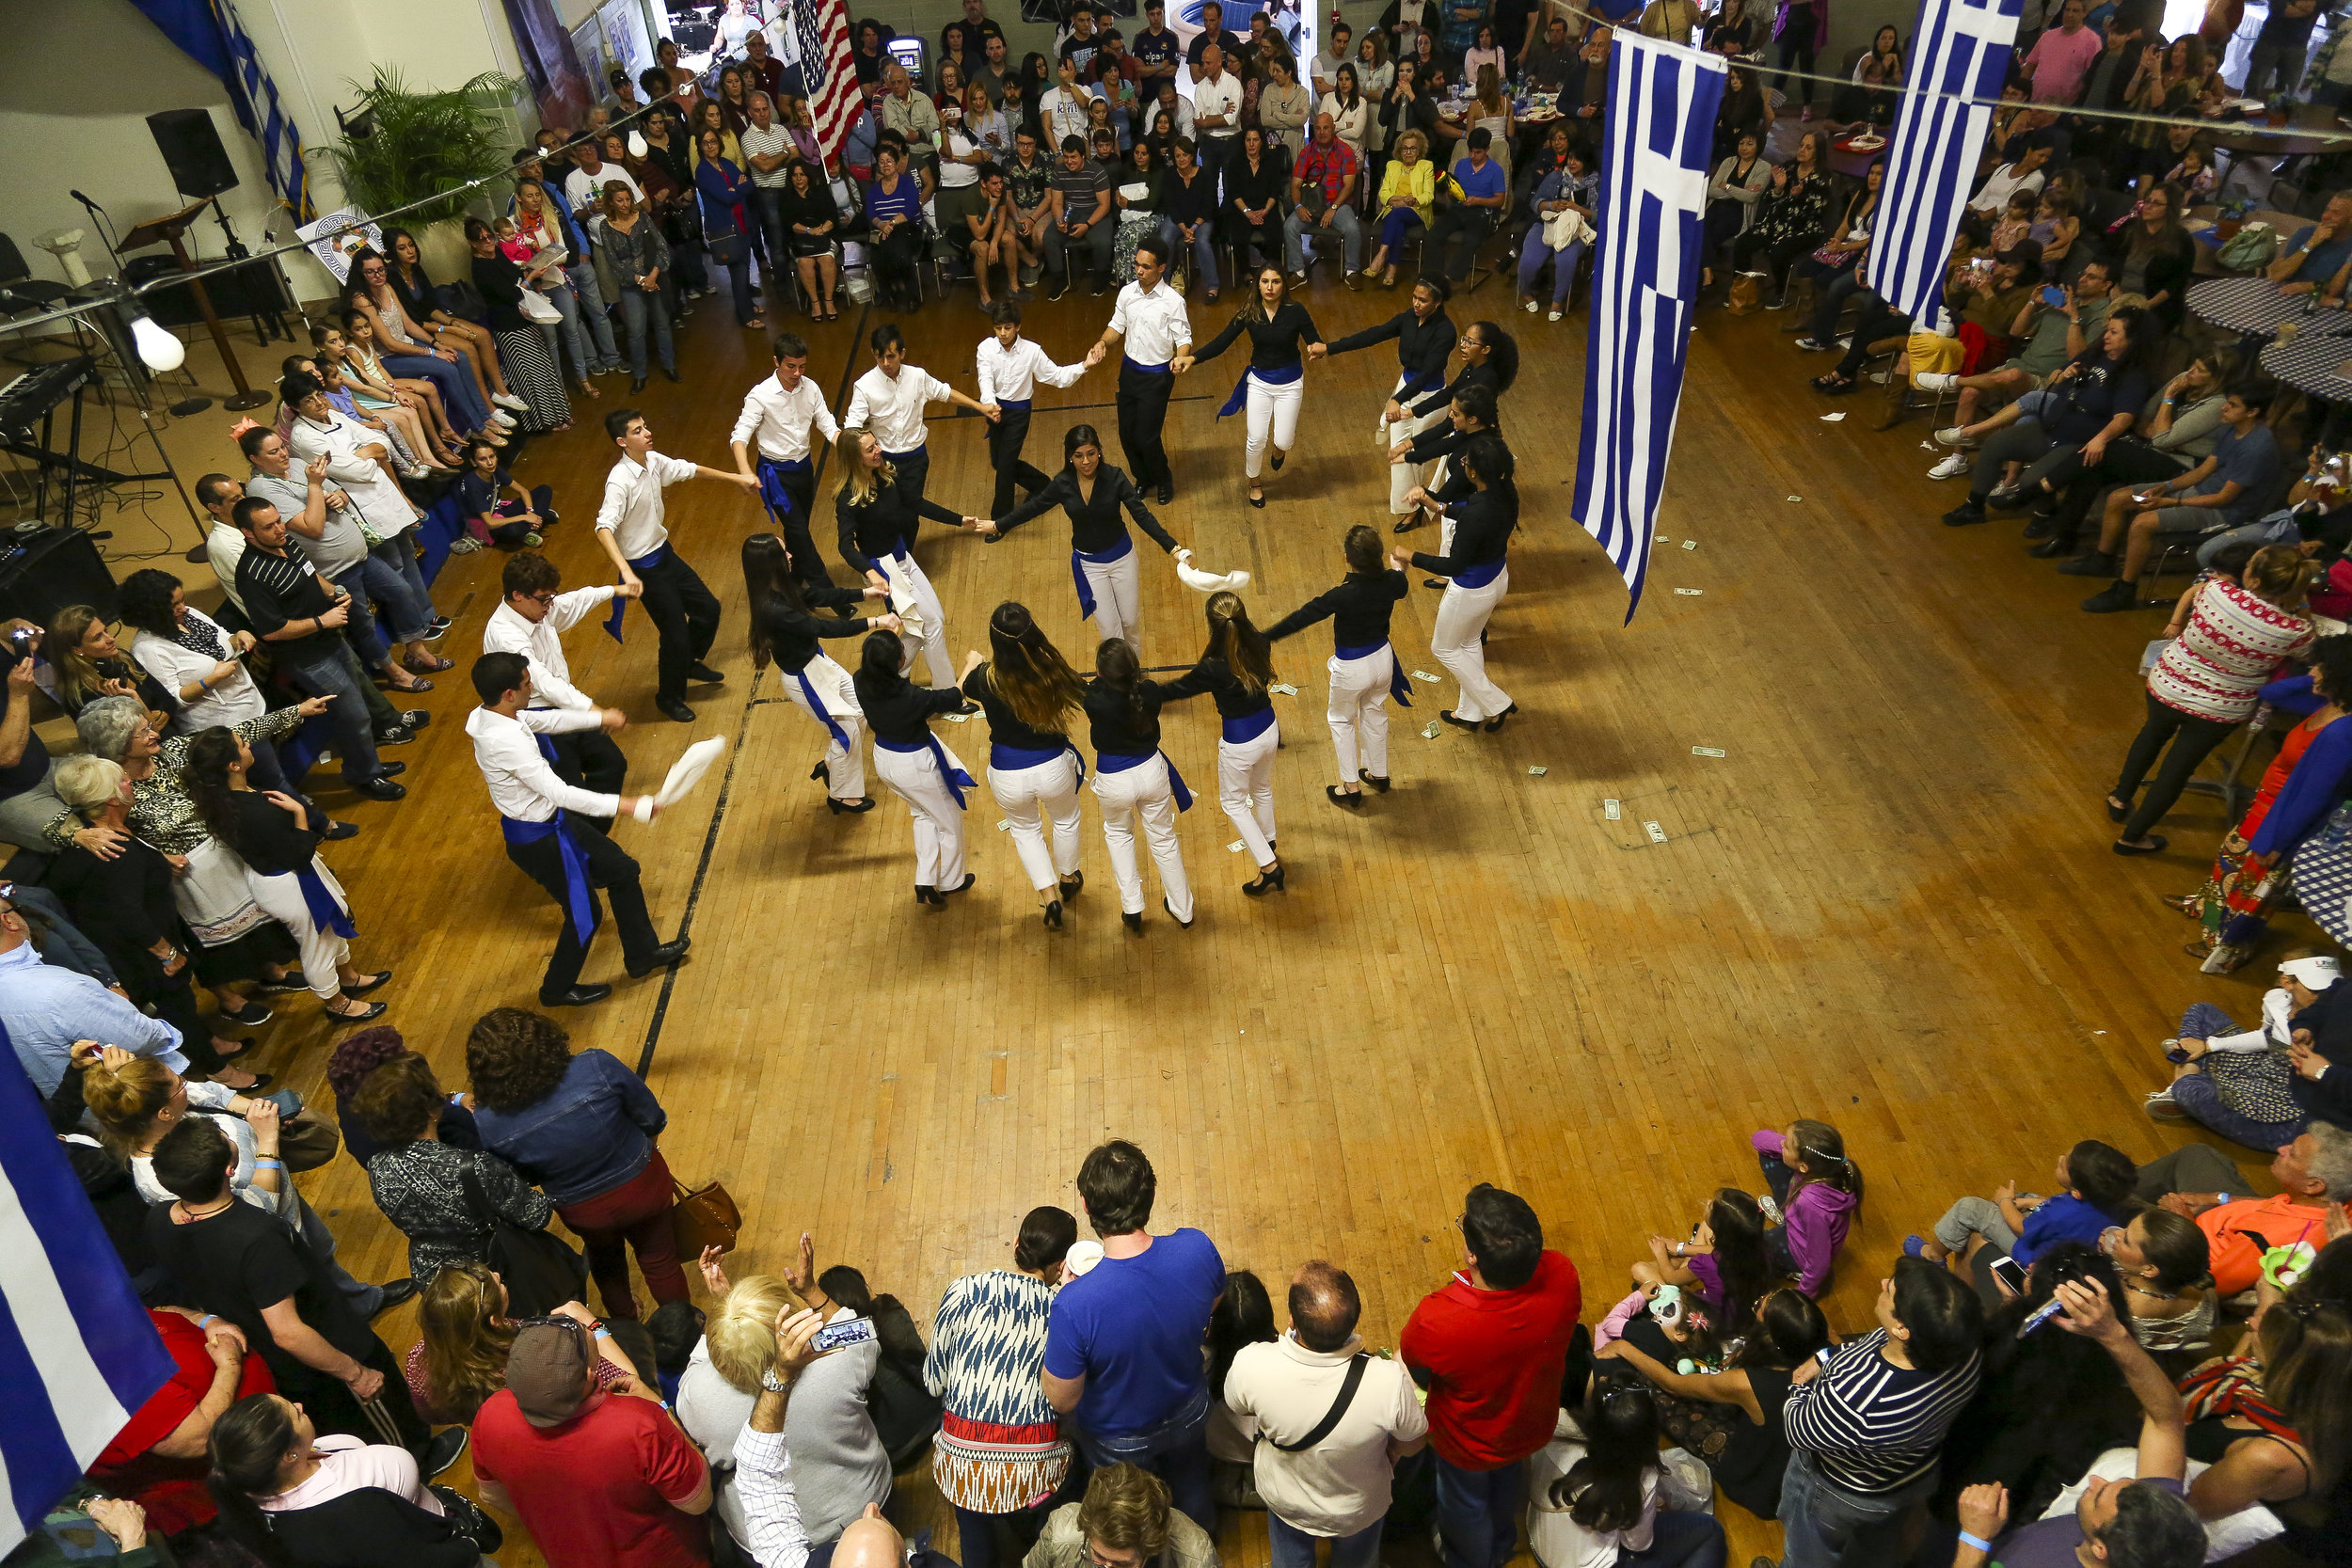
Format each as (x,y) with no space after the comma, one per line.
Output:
(1961,56)
(78,1355)
(1653,203)
(256,99)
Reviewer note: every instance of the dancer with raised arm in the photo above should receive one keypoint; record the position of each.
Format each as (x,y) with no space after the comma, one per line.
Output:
(1363,667)
(1102,552)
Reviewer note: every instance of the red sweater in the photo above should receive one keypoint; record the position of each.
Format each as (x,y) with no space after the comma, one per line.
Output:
(1495,1360)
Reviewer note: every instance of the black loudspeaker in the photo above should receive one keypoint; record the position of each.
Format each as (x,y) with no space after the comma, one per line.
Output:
(44,570)
(191,147)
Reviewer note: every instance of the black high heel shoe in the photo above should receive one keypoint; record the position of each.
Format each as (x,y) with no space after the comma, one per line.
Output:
(1352,799)
(925,894)
(1277,461)
(1171,914)
(1072,884)
(969,877)
(851,807)
(1496,722)
(1269,881)
(1052,914)
(1132,922)
(1456,719)
(822,773)
(1378,780)
(1258,501)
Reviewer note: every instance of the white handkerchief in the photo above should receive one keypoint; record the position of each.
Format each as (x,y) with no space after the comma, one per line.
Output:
(1210,582)
(685,774)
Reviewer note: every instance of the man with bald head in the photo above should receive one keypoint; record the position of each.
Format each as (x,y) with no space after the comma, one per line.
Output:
(1333,1420)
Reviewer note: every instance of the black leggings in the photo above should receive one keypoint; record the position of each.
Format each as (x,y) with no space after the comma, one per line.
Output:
(2193,740)
(1796,44)
(1777,254)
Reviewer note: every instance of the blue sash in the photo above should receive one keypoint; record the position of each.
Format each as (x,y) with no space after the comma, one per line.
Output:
(1125,546)
(1018,405)
(1482,574)
(1109,762)
(1249,726)
(645,562)
(1143,370)
(579,903)
(817,707)
(772,490)
(956,780)
(1399,688)
(327,914)
(1013,758)
(1416,383)
(902,456)
(1282,375)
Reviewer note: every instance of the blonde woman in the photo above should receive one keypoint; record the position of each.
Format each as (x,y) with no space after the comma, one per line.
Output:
(721,1384)
(1409,192)
(878,522)
(90,665)
(467,1324)
(1274,383)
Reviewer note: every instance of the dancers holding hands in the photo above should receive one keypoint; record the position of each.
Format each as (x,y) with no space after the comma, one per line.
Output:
(1236,668)
(785,630)
(1092,493)
(1010,366)
(919,771)
(1030,695)
(877,521)
(1281,332)
(1363,667)
(1479,573)
(1133,778)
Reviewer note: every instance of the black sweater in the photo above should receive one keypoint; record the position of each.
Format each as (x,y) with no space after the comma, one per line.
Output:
(1188,203)
(1482,531)
(1357,609)
(1005,728)
(899,711)
(126,906)
(1094,522)
(370,1527)
(884,525)
(1216,678)
(792,634)
(1422,348)
(1274,345)
(1267,186)
(1114,727)
(266,837)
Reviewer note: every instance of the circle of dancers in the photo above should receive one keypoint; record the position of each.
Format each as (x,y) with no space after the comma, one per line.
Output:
(1053,724)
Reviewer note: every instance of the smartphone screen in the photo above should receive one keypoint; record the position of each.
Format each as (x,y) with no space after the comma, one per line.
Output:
(2006,1270)
(850,1331)
(2054,297)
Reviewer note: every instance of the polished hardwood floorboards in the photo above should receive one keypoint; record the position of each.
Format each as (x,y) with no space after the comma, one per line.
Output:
(1890,904)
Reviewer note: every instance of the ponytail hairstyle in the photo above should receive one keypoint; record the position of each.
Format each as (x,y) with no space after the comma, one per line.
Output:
(1484,458)
(880,656)
(2280,575)
(248,1450)
(1822,1157)
(1028,673)
(211,757)
(766,580)
(1737,1223)
(1241,645)
(1117,666)
(1603,1490)
(1366,554)
(127,1099)
(1502,353)
(1788,1328)
(1047,1234)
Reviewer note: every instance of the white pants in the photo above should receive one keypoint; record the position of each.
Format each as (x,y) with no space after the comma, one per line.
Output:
(1244,788)
(1117,587)
(1029,797)
(1274,408)
(1360,712)
(845,768)
(1143,791)
(1461,616)
(323,952)
(1404,476)
(903,573)
(914,777)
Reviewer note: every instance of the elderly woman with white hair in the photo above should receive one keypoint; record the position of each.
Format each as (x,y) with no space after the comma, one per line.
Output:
(239,942)
(2237,1082)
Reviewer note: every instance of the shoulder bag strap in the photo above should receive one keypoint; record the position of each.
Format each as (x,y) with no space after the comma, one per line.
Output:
(1339,1406)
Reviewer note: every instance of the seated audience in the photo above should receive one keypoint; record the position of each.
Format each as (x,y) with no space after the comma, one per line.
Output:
(467,1324)
(1602,1495)
(1125,1518)
(2094,1182)
(1816,1192)
(1723,1262)
(2227,489)
(157,1460)
(293,1495)
(448,1203)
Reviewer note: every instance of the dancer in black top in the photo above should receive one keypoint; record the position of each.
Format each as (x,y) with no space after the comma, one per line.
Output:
(1092,494)
(1425,341)
(1236,668)
(1281,331)
(919,769)
(1480,575)
(878,523)
(1032,696)
(1133,777)
(1364,672)
(1490,362)
(784,629)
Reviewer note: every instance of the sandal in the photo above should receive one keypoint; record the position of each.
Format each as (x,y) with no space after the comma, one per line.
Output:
(1833,383)
(430,666)
(2189,904)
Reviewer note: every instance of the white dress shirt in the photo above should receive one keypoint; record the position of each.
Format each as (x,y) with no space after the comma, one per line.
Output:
(376,497)
(1155,324)
(772,1510)
(632,501)
(1014,373)
(523,785)
(1218,95)
(224,547)
(776,423)
(542,644)
(231,702)
(892,407)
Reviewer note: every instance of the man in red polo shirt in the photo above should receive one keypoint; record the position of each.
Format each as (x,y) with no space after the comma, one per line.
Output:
(1491,1347)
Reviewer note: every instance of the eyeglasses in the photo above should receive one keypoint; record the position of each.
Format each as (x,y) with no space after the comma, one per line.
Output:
(1101,1562)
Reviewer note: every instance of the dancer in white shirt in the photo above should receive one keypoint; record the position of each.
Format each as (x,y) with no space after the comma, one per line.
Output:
(783,420)
(549,832)
(1151,317)
(889,400)
(1010,367)
(531,620)
(629,527)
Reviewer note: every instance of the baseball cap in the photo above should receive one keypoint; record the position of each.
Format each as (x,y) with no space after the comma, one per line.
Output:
(547,1369)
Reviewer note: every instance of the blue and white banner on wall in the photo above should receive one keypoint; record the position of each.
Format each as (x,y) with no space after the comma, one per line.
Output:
(1662,101)
(1959,58)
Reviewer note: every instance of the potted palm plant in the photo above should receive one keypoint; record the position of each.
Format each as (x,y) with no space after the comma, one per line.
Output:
(403,146)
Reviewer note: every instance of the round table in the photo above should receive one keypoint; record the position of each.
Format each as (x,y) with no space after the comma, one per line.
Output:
(2312,364)
(2252,306)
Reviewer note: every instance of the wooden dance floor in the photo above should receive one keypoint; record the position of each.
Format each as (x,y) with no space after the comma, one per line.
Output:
(1889,903)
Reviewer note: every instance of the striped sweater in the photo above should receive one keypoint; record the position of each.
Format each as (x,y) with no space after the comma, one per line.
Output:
(2235,641)
(1874,1426)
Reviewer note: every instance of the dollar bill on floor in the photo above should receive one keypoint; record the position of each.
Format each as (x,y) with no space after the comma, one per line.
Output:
(1235,848)
(1690,592)
(1284,688)
(1707,750)
(1537,772)
(1657,833)
(1429,731)
(1689,544)
(1425,675)
(1611,810)
(1003,826)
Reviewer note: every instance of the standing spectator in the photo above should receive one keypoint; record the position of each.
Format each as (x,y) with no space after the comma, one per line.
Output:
(2281,48)
(2062,56)
(1492,1347)
(1123,1350)
(1866,1426)
(597,1476)
(1332,1422)
(1000,1459)
(1123,1521)
(448,1203)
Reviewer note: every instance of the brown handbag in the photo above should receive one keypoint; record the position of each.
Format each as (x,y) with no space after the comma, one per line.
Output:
(704,1217)
(306,1141)
(1747,294)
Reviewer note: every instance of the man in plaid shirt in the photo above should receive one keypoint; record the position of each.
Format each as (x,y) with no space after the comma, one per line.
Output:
(1323,198)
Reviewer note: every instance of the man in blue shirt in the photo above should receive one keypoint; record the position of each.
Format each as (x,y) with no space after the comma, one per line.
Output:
(45,1009)
(1474,212)
(1122,1346)
(2226,489)
(2318,251)
(1156,48)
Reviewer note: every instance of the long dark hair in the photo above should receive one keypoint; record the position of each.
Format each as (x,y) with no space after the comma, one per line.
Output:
(1080,436)
(1603,1490)
(1737,1223)
(212,756)
(1117,666)
(246,1447)
(880,657)
(1789,1327)
(1028,673)
(768,581)
(1244,1315)
(1244,648)
(1367,556)
(1502,353)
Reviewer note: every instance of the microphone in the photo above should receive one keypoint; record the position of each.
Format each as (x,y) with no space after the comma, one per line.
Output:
(84,200)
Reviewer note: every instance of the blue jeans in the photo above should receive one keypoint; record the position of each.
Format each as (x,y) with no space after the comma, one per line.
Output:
(637,305)
(1292,1547)
(1680,1540)
(1478,1513)
(1179,1457)
(596,326)
(377,585)
(739,278)
(566,337)
(2277,528)
(1204,247)
(1827,1527)
(1532,253)
(335,673)
(461,400)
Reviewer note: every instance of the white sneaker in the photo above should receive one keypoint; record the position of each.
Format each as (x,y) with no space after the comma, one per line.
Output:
(508,399)
(1556,313)
(1531,307)
(501,418)
(1935,381)
(1955,435)
(1952,467)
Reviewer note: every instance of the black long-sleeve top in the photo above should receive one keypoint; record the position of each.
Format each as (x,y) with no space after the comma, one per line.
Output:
(1216,678)
(126,906)
(1113,726)
(1274,345)
(1269,183)
(899,711)
(1458,486)
(1357,608)
(1422,348)
(1188,203)
(1005,727)
(884,525)
(792,634)
(1474,375)
(267,839)
(1483,522)
(1439,440)
(1094,521)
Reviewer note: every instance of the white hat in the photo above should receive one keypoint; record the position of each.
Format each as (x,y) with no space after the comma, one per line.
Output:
(2318,974)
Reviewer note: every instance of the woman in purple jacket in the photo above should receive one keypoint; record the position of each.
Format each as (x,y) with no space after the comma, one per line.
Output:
(1816,1191)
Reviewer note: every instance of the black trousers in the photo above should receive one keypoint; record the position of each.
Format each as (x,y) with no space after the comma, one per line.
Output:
(589,759)
(684,613)
(1777,254)
(610,868)
(915,471)
(2192,741)
(1006,439)
(1876,321)
(1474,224)
(2127,462)
(1240,233)
(1142,414)
(800,485)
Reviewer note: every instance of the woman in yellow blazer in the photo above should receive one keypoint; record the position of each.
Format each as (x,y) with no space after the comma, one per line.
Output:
(1408,190)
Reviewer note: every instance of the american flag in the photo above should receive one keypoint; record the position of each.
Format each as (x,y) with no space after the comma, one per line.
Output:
(827,75)
(1653,199)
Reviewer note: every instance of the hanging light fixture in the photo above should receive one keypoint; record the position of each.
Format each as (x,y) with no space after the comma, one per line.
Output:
(636,143)
(158,350)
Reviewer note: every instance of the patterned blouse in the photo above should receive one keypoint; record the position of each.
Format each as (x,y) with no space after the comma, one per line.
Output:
(999,1447)
(422,1189)
(2234,643)
(161,810)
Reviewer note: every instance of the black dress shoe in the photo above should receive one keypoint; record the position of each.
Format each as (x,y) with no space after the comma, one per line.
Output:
(445,1449)
(670,372)
(1269,881)
(672,708)
(1352,799)
(1132,922)
(1457,720)
(578,996)
(1378,782)
(255,1014)
(380,977)
(344,1020)
(337,830)
(2040,526)
(662,958)
(1052,914)
(394,1292)
(636,384)
(850,808)
(378,789)
(1496,722)
(1167,492)
(1171,912)
(698,670)
(387,769)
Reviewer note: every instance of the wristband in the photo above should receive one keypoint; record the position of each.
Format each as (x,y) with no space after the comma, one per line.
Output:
(2221,1198)
(602,1332)
(269,1164)
(1977,1541)
(202,1321)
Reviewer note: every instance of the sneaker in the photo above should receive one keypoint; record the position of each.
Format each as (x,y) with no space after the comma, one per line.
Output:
(1061,287)
(2116,595)
(502,418)
(1812,345)
(464,545)
(531,541)
(1554,315)
(1955,435)
(1533,306)
(1935,381)
(1299,281)
(396,735)
(1954,466)
(508,399)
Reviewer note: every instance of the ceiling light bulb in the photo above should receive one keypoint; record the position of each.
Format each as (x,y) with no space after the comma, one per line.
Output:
(636,143)
(159,349)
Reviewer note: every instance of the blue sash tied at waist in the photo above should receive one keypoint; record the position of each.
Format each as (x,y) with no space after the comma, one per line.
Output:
(645,562)
(1399,687)
(1249,726)
(1011,759)
(1018,405)
(956,779)
(1111,762)
(579,903)
(327,914)
(1128,363)
(772,490)
(817,707)
(1282,375)
(1125,546)
(1482,574)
